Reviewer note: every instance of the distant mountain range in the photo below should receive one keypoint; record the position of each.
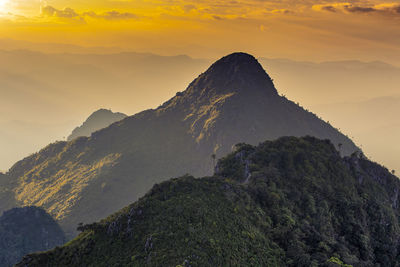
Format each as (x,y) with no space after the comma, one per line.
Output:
(290,202)
(71,85)
(375,125)
(97,120)
(78,82)
(234,101)
(26,230)
(313,83)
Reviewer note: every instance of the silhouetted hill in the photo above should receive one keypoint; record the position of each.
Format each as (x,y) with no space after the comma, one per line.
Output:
(26,230)
(7,198)
(233,101)
(290,202)
(97,120)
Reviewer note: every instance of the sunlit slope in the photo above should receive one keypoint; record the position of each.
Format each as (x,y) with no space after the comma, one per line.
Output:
(233,101)
(73,85)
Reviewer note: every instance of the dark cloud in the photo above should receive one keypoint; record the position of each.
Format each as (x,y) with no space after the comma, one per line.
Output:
(189,8)
(360,9)
(284,11)
(329,8)
(112,15)
(393,9)
(54,12)
(50,11)
(217,17)
(351,8)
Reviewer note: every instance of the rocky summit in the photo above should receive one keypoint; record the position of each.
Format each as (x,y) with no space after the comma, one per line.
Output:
(234,101)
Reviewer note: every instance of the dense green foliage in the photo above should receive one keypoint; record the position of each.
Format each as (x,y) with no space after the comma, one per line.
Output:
(290,202)
(345,207)
(27,230)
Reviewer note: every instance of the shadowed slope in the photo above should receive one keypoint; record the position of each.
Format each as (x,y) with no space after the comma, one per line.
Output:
(233,101)
(290,202)
(26,230)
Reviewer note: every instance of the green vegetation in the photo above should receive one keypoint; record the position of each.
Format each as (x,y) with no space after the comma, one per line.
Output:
(27,230)
(290,202)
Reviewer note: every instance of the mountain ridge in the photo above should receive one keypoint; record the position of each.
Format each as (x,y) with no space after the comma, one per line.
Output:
(288,202)
(72,180)
(97,120)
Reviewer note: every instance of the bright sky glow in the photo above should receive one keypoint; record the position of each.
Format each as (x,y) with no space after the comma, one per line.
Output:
(303,30)
(3,4)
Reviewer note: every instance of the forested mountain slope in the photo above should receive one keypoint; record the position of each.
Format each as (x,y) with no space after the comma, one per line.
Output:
(289,202)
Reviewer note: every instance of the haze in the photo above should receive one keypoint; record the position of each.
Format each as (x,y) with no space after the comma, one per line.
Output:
(62,60)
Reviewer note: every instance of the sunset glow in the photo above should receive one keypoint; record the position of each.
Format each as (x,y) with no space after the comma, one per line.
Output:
(301,33)
(2,4)
(314,30)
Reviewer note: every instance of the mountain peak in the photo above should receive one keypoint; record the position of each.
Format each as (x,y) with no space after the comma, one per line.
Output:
(238,58)
(97,120)
(105,112)
(232,102)
(237,72)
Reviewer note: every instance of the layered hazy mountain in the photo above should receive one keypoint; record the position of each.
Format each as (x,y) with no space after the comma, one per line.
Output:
(289,202)
(97,120)
(73,82)
(26,230)
(313,83)
(234,101)
(73,85)
(360,98)
(376,125)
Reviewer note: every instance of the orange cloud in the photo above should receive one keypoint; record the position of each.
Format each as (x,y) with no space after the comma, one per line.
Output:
(112,15)
(53,12)
(385,9)
(69,13)
(309,29)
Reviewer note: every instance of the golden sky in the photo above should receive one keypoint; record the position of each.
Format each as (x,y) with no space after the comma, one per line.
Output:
(309,30)
(306,29)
